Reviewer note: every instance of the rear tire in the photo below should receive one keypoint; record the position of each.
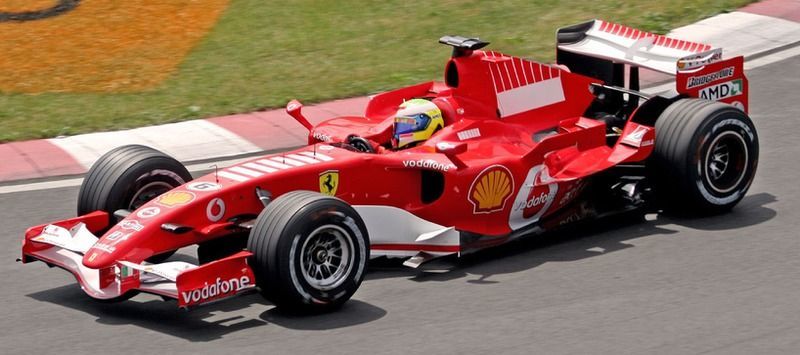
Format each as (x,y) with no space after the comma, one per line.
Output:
(309,252)
(705,156)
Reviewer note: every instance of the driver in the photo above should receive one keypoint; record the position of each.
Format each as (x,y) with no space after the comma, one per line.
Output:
(416,121)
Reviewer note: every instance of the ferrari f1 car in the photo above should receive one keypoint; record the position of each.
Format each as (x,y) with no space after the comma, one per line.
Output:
(520,147)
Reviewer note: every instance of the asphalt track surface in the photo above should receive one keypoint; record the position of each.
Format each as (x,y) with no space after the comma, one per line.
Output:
(725,284)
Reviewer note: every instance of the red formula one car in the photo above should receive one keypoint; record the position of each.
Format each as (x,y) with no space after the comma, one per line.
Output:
(509,147)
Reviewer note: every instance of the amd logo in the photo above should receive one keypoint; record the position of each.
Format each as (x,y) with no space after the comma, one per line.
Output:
(721,91)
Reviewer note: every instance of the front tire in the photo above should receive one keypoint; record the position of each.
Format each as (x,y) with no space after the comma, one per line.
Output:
(126,178)
(705,156)
(309,252)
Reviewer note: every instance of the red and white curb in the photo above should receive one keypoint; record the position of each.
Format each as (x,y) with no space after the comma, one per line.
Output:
(754,29)
(184,141)
(213,138)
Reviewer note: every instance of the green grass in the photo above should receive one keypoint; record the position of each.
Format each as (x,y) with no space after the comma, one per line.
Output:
(263,53)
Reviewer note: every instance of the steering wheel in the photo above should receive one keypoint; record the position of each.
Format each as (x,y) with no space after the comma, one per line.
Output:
(359,143)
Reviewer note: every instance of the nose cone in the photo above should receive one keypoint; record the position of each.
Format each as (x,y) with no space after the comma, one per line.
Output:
(98,259)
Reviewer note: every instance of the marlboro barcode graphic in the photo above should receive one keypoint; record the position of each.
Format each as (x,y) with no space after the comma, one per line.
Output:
(522,85)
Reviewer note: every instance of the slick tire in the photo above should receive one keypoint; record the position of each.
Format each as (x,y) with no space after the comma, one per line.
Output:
(705,157)
(126,178)
(310,252)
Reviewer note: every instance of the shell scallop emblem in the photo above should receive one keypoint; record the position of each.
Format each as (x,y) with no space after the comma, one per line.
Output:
(175,198)
(491,189)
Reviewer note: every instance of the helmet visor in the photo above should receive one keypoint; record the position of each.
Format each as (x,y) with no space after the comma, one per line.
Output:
(410,124)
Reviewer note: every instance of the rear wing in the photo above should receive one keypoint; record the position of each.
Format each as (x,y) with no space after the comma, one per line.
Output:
(602,49)
(622,44)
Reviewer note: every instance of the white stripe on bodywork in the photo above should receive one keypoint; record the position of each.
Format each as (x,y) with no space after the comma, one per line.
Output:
(258,167)
(494,81)
(285,160)
(233,176)
(529,97)
(273,164)
(317,155)
(245,171)
(508,74)
(303,159)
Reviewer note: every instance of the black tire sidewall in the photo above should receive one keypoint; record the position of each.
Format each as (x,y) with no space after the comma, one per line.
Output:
(730,120)
(115,177)
(139,175)
(309,218)
(287,223)
(684,134)
(113,180)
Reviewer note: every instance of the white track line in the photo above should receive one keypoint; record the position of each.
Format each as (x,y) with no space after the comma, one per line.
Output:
(755,63)
(772,58)
(40,186)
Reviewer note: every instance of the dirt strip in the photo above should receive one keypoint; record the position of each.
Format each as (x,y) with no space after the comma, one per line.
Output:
(98,45)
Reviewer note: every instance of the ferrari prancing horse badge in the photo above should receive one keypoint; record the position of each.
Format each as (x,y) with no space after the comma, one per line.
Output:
(329,182)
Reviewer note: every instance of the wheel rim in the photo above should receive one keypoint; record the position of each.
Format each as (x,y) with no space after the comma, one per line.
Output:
(148,192)
(726,162)
(326,257)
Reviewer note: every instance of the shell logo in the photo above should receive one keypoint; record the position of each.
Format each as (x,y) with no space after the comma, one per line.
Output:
(175,198)
(491,189)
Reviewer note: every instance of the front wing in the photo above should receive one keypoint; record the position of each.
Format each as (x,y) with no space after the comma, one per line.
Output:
(64,244)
